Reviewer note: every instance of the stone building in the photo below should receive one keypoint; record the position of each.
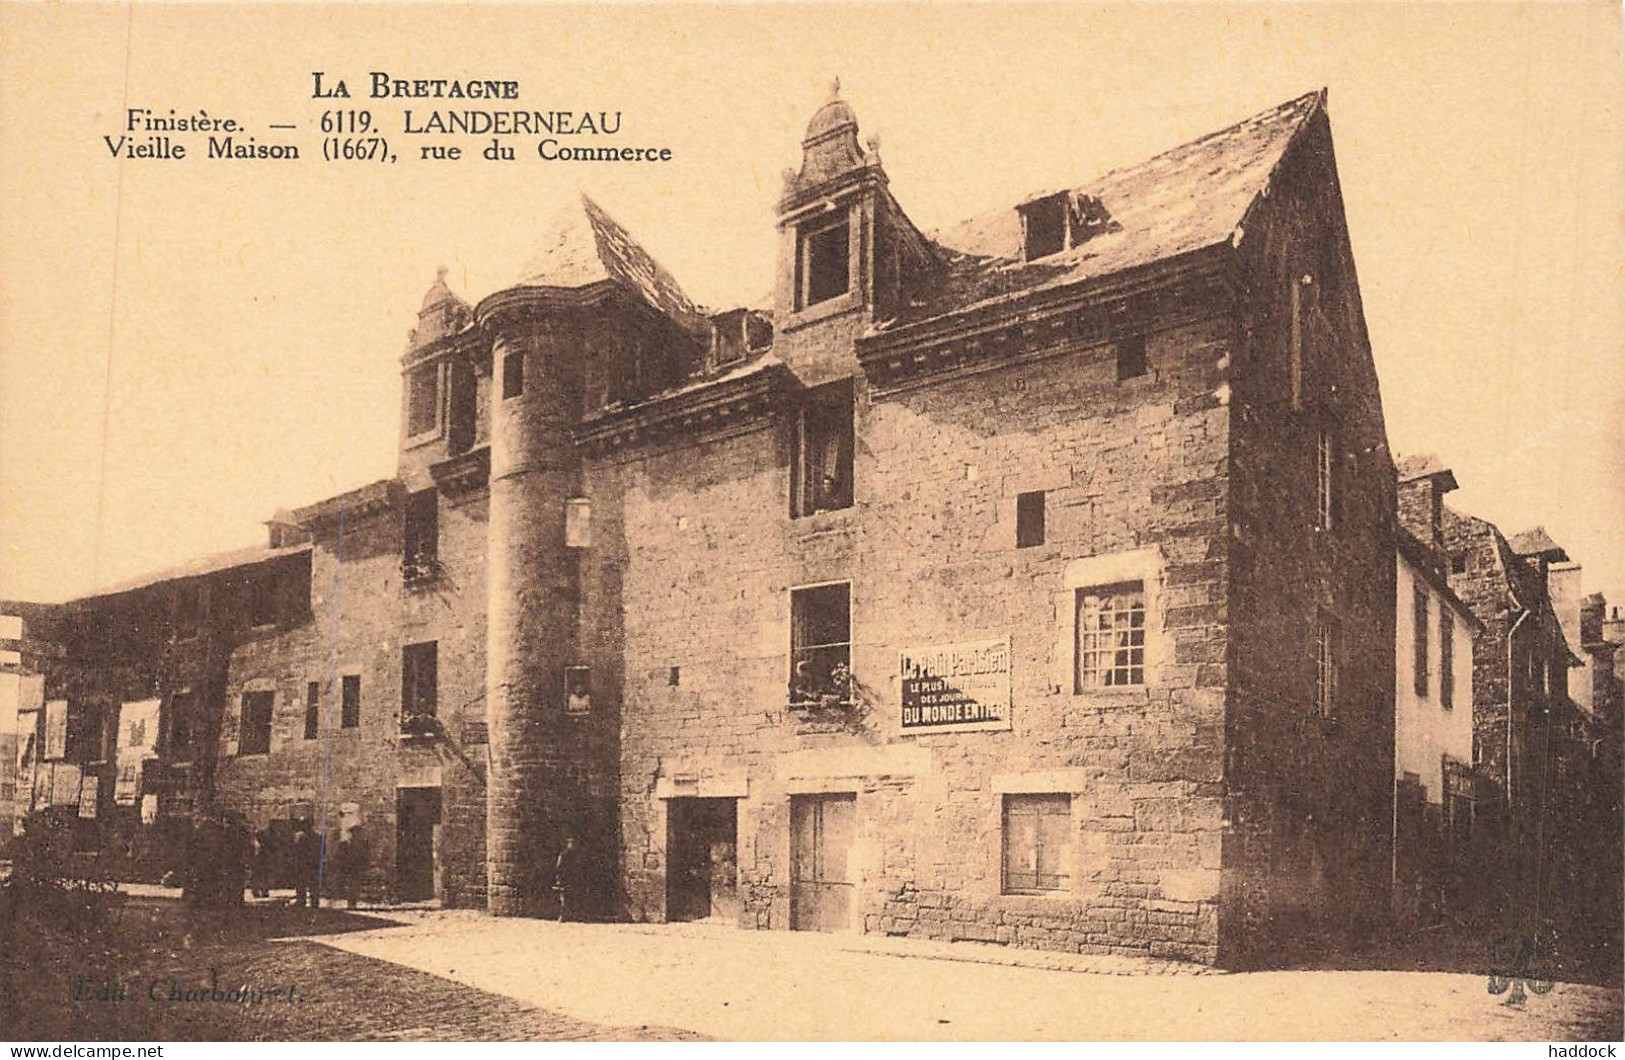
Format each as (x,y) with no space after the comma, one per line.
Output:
(1547,766)
(1438,854)
(1030,582)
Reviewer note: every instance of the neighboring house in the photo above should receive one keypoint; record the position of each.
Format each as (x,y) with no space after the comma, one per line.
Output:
(1437,856)
(1540,757)
(1029,582)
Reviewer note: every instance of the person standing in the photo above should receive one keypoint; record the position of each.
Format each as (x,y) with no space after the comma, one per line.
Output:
(262,863)
(306,890)
(351,863)
(567,880)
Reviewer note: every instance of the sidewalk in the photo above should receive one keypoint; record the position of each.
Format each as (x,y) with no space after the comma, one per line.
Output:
(721,982)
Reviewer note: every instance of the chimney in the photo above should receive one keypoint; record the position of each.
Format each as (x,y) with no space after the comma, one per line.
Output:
(284,530)
(1423,482)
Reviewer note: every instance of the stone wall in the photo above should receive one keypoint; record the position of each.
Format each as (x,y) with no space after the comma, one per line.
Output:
(1309,850)
(362,615)
(706,555)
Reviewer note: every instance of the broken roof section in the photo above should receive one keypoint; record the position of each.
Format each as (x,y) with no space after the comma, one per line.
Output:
(582,245)
(1191,197)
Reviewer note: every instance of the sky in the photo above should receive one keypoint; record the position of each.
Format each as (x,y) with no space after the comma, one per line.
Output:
(188,346)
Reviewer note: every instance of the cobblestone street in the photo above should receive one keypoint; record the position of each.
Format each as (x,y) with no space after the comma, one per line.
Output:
(461,975)
(724,983)
(158,949)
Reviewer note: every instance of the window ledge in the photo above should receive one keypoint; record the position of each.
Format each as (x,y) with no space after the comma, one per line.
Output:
(1111,692)
(849,302)
(414,441)
(825,521)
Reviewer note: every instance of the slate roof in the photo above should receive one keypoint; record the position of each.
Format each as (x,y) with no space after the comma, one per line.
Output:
(583,245)
(1185,199)
(1419,466)
(195,568)
(1536,542)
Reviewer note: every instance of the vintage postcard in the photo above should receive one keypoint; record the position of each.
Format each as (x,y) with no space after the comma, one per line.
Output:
(822,522)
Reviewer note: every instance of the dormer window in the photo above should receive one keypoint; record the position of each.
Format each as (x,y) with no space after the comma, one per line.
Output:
(423,401)
(1058,222)
(1044,226)
(823,261)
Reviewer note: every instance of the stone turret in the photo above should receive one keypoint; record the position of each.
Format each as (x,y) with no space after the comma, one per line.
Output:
(591,305)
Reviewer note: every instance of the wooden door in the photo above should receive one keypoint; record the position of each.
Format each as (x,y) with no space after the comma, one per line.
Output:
(417,814)
(821,833)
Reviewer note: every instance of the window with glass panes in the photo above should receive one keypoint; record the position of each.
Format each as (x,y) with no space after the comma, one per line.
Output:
(1111,636)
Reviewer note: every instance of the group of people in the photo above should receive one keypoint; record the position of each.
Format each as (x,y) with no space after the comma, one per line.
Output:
(226,857)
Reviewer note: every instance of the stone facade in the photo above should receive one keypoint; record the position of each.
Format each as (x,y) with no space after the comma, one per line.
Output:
(1118,452)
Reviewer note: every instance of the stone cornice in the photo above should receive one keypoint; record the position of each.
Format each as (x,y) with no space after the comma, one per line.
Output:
(531,302)
(463,343)
(358,503)
(717,409)
(465,472)
(1050,322)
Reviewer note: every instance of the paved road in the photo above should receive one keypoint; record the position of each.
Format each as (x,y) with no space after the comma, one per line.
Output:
(725,983)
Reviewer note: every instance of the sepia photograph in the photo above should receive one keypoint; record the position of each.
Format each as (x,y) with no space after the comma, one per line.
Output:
(866,522)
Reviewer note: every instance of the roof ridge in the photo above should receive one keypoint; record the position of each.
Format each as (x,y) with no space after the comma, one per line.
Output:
(1319,97)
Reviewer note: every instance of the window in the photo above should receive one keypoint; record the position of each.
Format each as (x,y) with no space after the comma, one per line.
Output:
(419,555)
(350,702)
(1447,659)
(182,708)
(1044,224)
(1111,636)
(1030,519)
(1324,478)
(1458,563)
(1419,629)
(1326,637)
(188,610)
(255,735)
(821,479)
(513,375)
(1131,357)
(313,710)
(824,257)
(1461,819)
(821,643)
(1037,843)
(419,682)
(1303,299)
(262,590)
(423,400)
(87,732)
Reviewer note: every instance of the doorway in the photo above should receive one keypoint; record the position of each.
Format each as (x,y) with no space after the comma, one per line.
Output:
(417,823)
(821,832)
(702,862)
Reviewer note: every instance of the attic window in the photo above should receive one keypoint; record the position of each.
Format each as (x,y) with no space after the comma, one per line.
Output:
(423,401)
(823,257)
(1044,225)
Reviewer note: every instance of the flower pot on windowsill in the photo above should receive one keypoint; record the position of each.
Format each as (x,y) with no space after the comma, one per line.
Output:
(420,727)
(418,570)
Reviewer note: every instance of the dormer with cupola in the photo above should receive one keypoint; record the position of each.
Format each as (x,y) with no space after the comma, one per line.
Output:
(849,257)
(439,385)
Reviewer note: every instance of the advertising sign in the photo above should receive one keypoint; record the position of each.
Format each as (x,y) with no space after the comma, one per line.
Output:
(956,687)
